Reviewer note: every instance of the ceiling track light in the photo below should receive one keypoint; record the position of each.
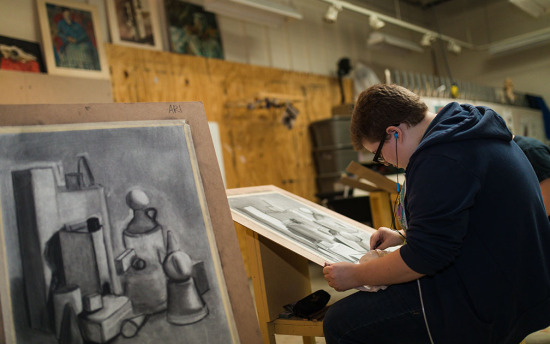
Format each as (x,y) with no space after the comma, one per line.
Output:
(332,12)
(382,40)
(427,39)
(395,21)
(376,23)
(454,47)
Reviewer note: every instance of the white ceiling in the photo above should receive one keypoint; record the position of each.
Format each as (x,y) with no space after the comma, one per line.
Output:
(478,22)
(472,24)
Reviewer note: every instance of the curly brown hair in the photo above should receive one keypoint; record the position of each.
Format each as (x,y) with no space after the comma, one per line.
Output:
(381,106)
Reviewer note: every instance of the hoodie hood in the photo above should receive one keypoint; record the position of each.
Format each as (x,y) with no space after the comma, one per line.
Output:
(459,122)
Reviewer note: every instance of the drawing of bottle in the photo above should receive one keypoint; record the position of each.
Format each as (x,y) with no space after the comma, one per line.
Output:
(145,281)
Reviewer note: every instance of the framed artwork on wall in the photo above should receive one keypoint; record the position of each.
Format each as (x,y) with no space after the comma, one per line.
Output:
(19,55)
(134,23)
(192,30)
(72,39)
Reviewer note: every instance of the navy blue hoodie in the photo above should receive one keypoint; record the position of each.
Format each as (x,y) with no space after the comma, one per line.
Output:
(478,229)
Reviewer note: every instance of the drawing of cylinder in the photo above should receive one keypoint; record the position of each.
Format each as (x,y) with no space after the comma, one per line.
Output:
(69,295)
(146,281)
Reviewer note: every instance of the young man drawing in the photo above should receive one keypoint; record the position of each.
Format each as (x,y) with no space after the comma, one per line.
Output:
(475,267)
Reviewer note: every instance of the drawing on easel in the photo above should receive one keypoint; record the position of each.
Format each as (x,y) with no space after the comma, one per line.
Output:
(107,237)
(310,230)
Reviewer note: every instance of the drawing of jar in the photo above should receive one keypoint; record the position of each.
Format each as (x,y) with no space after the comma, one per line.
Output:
(145,281)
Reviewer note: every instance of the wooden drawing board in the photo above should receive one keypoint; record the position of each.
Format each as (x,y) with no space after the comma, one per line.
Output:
(380,181)
(358,183)
(309,229)
(193,112)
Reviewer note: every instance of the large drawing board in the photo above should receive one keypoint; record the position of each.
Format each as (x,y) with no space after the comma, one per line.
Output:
(193,113)
(309,229)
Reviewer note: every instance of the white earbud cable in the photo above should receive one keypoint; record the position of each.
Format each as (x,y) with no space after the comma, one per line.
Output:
(424,312)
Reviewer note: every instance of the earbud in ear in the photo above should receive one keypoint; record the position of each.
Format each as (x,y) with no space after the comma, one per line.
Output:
(395,134)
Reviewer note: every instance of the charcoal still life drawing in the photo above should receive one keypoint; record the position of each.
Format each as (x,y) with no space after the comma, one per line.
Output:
(107,238)
(310,230)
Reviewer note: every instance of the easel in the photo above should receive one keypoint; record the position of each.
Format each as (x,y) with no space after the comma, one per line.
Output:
(236,283)
(280,276)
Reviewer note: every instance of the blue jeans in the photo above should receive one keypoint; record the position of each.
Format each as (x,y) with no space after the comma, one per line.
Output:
(391,316)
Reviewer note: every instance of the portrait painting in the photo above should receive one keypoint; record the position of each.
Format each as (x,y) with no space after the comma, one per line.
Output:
(20,55)
(134,23)
(72,39)
(107,237)
(192,30)
(309,229)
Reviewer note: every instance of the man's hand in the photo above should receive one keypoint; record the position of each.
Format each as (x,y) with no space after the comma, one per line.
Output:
(341,276)
(384,237)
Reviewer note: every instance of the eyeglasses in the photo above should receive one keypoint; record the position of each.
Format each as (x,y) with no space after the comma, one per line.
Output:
(378,157)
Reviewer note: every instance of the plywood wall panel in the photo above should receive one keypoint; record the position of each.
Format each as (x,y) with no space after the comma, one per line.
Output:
(149,76)
(40,88)
(257,148)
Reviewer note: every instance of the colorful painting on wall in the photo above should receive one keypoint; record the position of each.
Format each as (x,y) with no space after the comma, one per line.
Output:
(72,39)
(20,55)
(192,30)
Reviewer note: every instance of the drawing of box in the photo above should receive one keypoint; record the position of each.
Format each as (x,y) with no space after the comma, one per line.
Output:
(105,324)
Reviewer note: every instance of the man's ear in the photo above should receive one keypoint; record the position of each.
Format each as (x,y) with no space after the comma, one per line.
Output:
(394,131)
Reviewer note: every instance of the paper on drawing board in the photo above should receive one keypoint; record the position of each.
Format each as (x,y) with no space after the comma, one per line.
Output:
(255,213)
(304,233)
(311,231)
